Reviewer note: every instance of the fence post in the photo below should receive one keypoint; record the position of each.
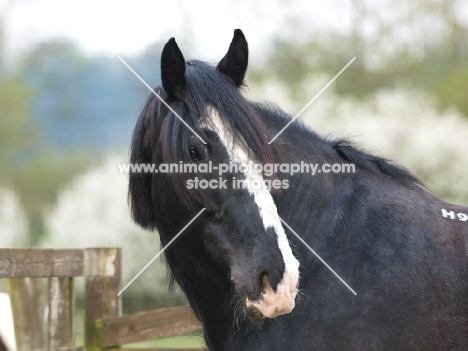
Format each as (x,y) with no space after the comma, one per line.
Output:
(61,308)
(102,283)
(27,297)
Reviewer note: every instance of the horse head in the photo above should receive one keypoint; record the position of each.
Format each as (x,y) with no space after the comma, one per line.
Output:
(204,120)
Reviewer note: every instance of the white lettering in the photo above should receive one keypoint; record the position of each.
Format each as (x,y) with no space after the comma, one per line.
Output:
(447,214)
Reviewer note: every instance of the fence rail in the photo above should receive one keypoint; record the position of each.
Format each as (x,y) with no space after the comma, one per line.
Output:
(22,263)
(146,325)
(105,327)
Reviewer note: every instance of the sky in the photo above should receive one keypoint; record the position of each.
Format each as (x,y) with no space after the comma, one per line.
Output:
(204,28)
(126,28)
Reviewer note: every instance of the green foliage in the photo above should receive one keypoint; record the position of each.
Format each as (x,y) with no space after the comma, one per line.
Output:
(15,132)
(452,89)
(403,48)
(35,174)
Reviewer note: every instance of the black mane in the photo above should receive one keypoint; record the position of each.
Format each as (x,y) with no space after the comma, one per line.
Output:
(345,149)
(374,163)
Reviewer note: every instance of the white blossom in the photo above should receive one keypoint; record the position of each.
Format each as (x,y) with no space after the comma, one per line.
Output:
(13,221)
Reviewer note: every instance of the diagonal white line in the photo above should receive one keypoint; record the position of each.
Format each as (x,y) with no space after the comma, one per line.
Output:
(162,100)
(311,101)
(160,252)
(316,254)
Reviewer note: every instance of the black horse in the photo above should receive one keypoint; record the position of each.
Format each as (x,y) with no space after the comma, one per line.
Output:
(403,250)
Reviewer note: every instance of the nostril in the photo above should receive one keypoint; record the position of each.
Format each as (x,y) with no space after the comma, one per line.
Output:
(263,280)
(270,278)
(268,282)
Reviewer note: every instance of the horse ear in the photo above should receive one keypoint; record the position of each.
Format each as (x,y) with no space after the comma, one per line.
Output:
(234,64)
(172,67)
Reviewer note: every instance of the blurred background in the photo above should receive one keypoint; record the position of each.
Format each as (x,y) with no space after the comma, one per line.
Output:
(68,105)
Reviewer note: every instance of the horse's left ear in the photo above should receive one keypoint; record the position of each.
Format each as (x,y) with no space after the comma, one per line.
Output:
(234,64)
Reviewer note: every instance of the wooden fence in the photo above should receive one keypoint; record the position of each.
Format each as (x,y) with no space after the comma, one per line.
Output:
(105,328)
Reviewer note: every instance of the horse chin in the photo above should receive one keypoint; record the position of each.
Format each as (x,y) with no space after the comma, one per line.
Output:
(253,313)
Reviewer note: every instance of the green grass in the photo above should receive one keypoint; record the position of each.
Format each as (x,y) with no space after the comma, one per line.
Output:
(188,341)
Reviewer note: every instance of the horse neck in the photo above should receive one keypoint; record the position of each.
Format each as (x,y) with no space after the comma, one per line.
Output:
(310,198)
(210,297)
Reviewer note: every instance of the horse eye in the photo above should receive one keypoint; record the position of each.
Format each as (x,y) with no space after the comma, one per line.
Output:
(194,154)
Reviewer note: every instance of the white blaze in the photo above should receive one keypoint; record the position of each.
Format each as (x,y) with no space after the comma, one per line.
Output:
(272,304)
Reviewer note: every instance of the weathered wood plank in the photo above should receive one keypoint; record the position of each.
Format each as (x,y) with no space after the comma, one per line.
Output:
(102,262)
(21,263)
(28,302)
(61,306)
(142,326)
(102,283)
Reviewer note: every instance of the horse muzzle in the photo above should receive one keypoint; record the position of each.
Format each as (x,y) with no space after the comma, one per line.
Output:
(273,303)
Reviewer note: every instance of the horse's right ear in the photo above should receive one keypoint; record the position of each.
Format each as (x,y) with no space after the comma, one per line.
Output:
(172,68)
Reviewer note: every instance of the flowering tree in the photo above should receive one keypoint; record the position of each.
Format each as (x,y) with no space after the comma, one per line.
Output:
(13,221)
